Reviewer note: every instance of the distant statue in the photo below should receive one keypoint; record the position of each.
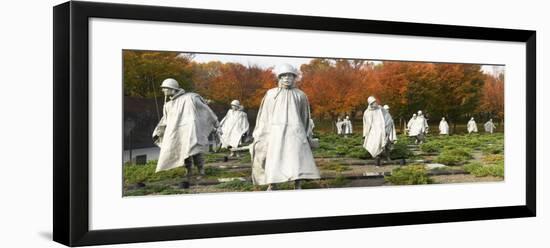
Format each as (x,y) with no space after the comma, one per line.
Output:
(339,128)
(443,127)
(418,128)
(391,134)
(233,127)
(311,127)
(410,124)
(489,126)
(472,126)
(347,126)
(182,133)
(281,149)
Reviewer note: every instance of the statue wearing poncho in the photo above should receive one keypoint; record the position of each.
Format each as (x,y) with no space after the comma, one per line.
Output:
(339,126)
(374,128)
(347,126)
(391,134)
(489,126)
(410,126)
(184,128)
(233,126)
(443,127)
(472,126)
(281,150)
(419,127)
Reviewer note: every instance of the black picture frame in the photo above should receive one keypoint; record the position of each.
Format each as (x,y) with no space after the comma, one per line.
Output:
(71,123)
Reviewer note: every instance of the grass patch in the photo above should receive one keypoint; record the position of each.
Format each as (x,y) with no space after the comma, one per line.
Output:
(409,175)
(215,157)
(334,167)
(338,182)
(215,172)
(245,159)
(146,173)
(152,190)
(236,185)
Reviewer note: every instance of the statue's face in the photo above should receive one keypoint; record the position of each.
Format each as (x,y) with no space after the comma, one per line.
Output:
(168,91)
(287,79)
(234,107)
(373,104)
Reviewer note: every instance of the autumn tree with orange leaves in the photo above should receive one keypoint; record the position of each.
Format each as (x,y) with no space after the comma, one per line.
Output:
(492,97)
(335,87)
(223,83)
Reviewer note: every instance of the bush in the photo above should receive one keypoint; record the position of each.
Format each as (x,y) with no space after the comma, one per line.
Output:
(454,156)
(359,152)
(479,170)
(431,147)
(407,175)
(493,158)
(400,150)
(494,149)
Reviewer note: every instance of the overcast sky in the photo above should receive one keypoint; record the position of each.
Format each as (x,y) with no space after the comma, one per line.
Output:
(271,61)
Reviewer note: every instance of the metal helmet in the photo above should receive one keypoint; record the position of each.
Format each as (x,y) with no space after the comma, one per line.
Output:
(371,99)
(170,83)
(236,103)
(386,107)
(286,68)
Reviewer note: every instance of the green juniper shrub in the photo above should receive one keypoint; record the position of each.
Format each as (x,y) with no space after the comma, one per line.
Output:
(410,174)
(479,170)
(491,150)
(359,152)
(432,146)
(341,150)
(454,156)
(493,158)
(400,150)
